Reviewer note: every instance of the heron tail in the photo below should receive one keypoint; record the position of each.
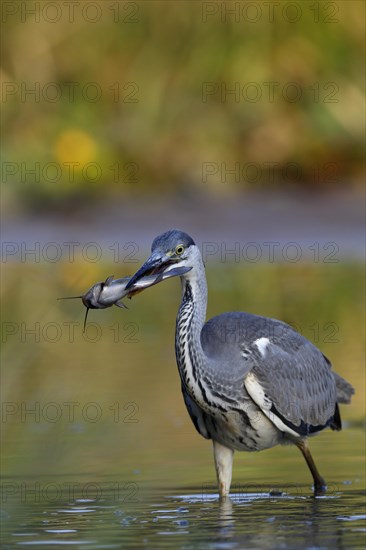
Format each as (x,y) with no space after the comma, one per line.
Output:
(344,389)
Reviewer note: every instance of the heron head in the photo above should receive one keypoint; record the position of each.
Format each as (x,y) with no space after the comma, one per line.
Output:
(171,256)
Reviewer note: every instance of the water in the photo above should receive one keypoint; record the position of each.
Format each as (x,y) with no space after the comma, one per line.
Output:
(98,450)
(163,519)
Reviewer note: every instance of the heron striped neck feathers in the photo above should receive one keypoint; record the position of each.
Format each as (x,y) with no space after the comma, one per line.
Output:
(194,287)
(190,320)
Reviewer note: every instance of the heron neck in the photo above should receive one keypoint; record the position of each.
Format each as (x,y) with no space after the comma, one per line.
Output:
(190,320)
(194,289)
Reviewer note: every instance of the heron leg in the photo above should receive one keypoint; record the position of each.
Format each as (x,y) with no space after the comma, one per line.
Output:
(319,483)
(224,466)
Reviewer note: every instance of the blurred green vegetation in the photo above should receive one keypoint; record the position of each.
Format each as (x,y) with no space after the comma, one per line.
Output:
(139,100)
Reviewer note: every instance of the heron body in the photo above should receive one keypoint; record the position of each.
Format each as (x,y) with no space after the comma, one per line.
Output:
(249,382)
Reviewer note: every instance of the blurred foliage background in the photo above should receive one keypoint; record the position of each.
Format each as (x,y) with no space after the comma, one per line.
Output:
(106,99)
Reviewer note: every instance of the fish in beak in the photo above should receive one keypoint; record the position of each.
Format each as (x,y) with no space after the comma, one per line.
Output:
(161,267)
(110,292)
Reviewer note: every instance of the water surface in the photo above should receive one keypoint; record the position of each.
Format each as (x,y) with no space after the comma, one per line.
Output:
(123,518)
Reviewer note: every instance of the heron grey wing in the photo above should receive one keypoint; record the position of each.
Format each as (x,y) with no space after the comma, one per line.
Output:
(221,340)
(283,373)
(294,388)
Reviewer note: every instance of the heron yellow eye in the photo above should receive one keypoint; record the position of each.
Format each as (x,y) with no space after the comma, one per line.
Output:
(179,249)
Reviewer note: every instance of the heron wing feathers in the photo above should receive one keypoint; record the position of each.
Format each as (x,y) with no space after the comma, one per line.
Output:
(297,389)
(283,373)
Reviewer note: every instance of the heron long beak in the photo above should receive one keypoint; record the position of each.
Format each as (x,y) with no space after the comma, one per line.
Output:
(161,265)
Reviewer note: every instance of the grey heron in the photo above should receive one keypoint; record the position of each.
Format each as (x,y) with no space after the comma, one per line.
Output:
(248,382)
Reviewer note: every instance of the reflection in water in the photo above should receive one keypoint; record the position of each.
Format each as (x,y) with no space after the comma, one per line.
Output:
(226,521)
(260,521)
